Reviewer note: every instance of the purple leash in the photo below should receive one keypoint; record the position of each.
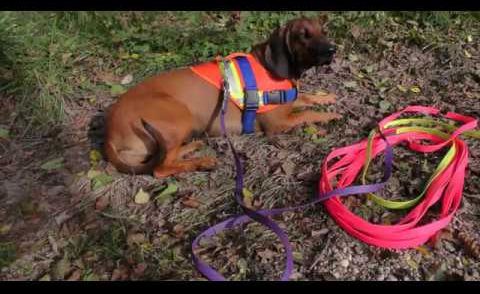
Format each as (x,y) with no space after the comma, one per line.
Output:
(262,216)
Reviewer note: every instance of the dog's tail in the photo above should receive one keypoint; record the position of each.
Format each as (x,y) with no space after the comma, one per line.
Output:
(156,151)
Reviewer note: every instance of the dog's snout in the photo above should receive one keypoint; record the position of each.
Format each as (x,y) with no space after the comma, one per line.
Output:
(329,50)
(326,49)
(332,49)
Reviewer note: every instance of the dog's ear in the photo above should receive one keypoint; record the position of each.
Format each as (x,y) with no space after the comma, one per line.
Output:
(277,53)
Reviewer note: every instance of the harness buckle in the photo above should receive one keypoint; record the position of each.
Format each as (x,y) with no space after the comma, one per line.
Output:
(251,100)
(276,97)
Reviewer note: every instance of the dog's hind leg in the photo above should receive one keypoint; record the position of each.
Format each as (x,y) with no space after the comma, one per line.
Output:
(189,148)
(170,168)
(175,164)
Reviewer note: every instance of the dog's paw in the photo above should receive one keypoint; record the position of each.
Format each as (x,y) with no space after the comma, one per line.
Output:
(198,144)
(161,174)
(327,99)
(321,132)
(208,163)
(333,116)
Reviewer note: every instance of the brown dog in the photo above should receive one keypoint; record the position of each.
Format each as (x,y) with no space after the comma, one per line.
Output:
(149,125)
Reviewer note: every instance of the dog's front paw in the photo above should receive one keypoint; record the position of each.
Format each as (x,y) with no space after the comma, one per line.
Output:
(329,98)
(334,116)
(208,163)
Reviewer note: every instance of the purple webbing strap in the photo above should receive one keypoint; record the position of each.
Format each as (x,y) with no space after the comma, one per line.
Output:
(261,216)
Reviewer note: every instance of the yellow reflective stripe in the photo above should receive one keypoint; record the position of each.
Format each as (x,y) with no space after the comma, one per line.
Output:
(235,83)
(429,122)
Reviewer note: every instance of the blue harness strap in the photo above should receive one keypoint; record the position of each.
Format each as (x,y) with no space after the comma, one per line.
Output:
(251,96)
(252,99)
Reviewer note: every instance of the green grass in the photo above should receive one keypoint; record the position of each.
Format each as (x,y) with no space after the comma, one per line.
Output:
(48,59)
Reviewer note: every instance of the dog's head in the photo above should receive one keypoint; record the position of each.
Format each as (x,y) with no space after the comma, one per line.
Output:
(296,47)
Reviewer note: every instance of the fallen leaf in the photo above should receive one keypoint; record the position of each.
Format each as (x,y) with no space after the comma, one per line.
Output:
(61,268)
(469,39)
(437,272)
(402,88)
(100,180)
(95,157)
(297,256)
(369,68)
(108,78)
(92,173)
(75,276)
(353,57)
(350,84)
(127,79)
(91,277)
(179,230)
(247,197)
(412,263)
(4,229)
(388,44)
(135,239)
(53,164)
(415,89)
(191,202)
(467,54)
(53,244)
(310,130)
(45,278)
(117,90)
(62,217)
(320,232)
(4,133)
(384,105)
(120,273)
(288,167)
(319,138)
(412,22)
(142,197)
(66,57)
(102,202)
(242,265)
(166,193)
(356,31)
(423,250)
(139,270)
(265,255)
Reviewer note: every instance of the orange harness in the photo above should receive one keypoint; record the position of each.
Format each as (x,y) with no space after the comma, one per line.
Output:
(265,83)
